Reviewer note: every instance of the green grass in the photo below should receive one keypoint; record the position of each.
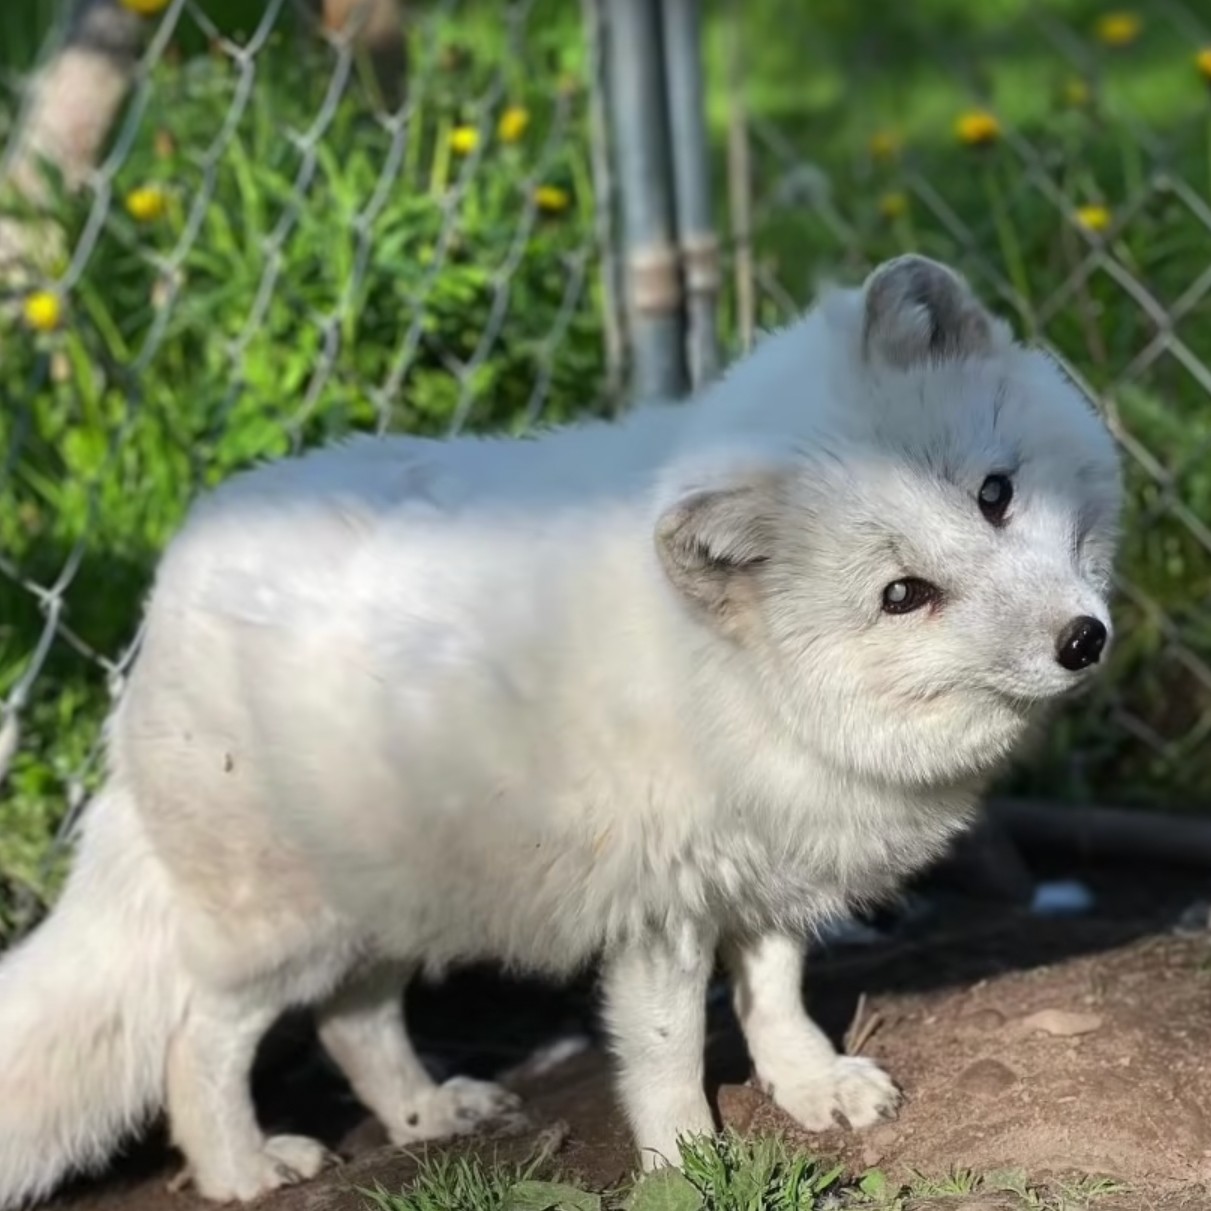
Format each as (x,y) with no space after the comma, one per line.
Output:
(729,1174)
(315,272)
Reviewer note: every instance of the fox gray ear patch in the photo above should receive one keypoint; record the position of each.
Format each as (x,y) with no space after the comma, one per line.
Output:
(712,543)
(917,309)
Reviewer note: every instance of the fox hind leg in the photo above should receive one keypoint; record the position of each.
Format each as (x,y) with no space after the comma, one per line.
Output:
(211,1112)
(363,1029)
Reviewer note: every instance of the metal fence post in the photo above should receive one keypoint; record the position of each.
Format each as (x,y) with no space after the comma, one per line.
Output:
(640,136)
(614,334)
(695,230)
(739,182)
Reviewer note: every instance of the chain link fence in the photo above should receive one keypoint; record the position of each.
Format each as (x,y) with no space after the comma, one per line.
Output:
(266,225)
(233,230)
(1059,152)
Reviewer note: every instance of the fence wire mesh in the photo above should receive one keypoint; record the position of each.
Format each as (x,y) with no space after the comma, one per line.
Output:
(1059,152)
(233,230)
(263,226)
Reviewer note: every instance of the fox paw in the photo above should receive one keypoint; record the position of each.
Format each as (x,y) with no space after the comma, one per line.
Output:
(283,1160)
(855,1093)
(458,1107)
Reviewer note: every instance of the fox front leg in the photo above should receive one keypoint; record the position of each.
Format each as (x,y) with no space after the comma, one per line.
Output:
(656,1013)
(793,1058)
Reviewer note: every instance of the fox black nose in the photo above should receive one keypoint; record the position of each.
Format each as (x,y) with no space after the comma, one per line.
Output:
(1081,643)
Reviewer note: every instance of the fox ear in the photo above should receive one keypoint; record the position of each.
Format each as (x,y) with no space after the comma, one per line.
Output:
(713,544)
(917,310)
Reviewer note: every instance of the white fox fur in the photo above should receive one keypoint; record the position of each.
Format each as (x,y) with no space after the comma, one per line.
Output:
(621,691)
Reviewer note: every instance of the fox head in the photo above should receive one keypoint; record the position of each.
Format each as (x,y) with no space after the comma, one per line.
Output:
(903,524)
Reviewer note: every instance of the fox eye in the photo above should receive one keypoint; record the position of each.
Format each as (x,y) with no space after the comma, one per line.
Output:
(905,596)
(994,496)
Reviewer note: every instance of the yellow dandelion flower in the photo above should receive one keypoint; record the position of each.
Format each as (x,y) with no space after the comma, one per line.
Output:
(1076,92)
(552,199)
(885,144)
(513,123)
(43,310)
(144,8)
(977,128)
(1093,218)
(1202,61)
(464,140)
(147,203)
(1118,29)
(893,205)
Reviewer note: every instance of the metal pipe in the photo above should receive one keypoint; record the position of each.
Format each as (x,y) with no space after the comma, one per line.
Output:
(699,244)
(635,63)
(612,292)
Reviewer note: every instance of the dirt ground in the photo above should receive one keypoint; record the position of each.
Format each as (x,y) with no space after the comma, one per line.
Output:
(1051,1045)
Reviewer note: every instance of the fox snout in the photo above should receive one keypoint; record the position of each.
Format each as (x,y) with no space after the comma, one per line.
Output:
(1081,643)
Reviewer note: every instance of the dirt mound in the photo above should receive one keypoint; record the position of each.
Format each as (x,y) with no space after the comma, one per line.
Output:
(1100,1065)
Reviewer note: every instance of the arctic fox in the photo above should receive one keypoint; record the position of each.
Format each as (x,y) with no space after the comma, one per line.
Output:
(649,692)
